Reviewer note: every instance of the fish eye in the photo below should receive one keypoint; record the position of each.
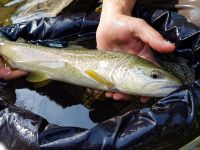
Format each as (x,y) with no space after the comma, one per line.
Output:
(155,74)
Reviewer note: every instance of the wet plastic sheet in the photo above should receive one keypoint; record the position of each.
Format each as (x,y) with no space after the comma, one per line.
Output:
(19,129)
(36,9)
(57,31)
(169,123)
(19,11)
(188,8)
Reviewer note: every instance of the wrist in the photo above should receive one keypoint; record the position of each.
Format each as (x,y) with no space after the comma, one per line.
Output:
(113,7)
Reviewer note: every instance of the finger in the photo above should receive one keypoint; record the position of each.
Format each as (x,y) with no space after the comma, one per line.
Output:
(17,74)
(149,35)
(4,73)
(146,53)
(7,74)
(97,91)
(109,94)
(144,99)
(121,96)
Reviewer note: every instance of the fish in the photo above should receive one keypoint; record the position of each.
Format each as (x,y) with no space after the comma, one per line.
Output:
(104,70)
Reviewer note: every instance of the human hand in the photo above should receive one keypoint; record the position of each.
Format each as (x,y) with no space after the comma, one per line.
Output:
(7,74)
(119,30)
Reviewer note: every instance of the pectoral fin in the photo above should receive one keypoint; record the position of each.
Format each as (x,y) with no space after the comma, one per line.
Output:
(38,79)
(42,83)
(94,75)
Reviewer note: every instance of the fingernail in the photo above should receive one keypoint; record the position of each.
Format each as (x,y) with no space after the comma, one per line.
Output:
(167,43)
(163,46)
(108,95)
(170,46)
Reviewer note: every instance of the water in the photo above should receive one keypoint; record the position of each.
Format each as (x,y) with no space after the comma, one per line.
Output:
(54,103)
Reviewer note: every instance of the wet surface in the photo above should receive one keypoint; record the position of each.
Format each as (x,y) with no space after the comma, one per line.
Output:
(7,9)
(54,102)
(62,104)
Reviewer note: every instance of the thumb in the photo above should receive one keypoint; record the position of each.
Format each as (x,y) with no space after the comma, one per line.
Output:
(150,36)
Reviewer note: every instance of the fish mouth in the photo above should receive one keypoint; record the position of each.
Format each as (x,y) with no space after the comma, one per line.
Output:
(164,91)
(171,87)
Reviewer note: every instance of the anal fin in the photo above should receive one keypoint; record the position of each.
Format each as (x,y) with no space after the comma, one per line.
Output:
(39,79)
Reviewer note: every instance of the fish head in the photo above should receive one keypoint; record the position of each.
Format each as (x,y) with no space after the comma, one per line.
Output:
(143,78)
